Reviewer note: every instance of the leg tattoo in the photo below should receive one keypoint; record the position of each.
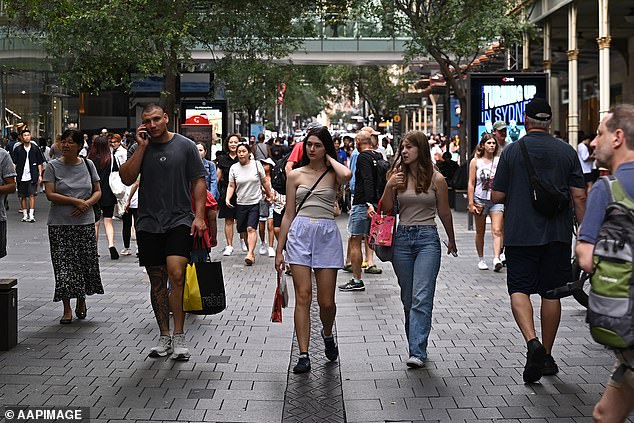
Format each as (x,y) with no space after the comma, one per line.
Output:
(159,296)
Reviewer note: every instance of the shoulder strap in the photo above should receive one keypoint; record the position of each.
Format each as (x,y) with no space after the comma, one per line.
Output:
(310,191)
(527,159)
(89,171)
(616,191)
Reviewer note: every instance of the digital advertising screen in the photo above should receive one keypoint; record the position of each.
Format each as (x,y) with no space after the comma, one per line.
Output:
(502,97)
(202,120)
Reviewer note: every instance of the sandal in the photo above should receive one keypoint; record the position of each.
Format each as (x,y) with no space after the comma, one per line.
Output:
(249,261)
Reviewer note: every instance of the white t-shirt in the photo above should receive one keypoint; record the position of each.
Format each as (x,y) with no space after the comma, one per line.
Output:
(248,181)
(584,158)
(26,173)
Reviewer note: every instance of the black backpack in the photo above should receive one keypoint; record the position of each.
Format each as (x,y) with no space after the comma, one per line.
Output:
(278,175)
(381,167)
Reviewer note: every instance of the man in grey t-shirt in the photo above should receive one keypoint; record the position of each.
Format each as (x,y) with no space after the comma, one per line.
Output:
(7,186)
(171,171)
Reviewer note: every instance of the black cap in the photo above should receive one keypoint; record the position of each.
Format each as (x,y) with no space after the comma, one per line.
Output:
(538,109)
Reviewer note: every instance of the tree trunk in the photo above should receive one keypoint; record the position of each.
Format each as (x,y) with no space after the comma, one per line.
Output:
(170,89)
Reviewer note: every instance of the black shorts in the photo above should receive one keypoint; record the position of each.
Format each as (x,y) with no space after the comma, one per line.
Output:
(247,216)
(277,219)
(27,189)
(3,238)
(155,248)
(107,211)
(538,269)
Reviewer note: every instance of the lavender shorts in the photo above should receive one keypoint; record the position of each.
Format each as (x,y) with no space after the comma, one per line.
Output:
(315,243)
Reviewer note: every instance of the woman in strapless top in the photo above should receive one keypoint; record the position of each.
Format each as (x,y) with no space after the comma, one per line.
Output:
(311,238)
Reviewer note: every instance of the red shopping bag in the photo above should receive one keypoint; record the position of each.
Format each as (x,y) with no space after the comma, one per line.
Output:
(278,301)
(381,229)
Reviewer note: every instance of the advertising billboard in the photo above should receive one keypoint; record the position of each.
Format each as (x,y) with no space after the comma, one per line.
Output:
(502,97)
(204,120)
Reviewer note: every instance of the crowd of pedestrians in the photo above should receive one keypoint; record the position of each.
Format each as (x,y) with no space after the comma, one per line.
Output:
(175,185)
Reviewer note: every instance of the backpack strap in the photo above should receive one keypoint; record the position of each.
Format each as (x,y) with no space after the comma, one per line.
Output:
(617,193)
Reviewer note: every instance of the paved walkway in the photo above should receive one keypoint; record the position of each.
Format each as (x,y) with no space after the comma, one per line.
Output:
(240,360)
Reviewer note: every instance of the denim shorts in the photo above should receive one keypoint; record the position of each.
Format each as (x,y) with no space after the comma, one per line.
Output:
(359,222)
(489,206)
(315,243)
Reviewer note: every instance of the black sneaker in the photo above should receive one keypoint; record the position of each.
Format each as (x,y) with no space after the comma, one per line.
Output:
(332,352)
(347,268)
(535,357)
(352,286)
(550,367)
(303,365)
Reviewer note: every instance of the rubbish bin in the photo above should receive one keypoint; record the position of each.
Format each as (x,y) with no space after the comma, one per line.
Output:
(8,314)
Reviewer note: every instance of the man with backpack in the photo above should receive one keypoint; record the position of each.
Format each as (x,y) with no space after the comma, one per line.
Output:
(607,224)
(538,242)
(367,192)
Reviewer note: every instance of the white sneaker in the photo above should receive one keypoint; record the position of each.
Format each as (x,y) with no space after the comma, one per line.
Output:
(497,264)
(163,348)
(503,259)
(482,265)
(271,252)
(415,362)
(181,352)
(126,252)
(244,246)
(227,251)
(263,249)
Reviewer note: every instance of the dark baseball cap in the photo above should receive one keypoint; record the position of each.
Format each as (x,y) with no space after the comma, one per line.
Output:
(538,109)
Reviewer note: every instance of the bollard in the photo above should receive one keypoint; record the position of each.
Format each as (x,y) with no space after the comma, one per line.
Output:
(8,314)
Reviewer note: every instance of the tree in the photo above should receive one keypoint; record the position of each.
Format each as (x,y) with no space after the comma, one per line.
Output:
(100,45)
(382,87)
(454,33)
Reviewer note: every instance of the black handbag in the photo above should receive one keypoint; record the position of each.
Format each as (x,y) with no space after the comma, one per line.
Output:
(96,208)
(204,289)
(546,199)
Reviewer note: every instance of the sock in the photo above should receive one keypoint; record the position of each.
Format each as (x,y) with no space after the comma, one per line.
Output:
(357,280)
(25,212)
(31,211)
(331,336)
(481,258)
(303,355)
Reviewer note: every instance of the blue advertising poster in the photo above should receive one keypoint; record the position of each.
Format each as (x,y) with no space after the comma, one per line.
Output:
(501,97)
(256,129)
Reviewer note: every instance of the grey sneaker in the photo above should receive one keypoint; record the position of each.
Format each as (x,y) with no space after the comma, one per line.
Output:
(415,363)
(164,348)
(181,352)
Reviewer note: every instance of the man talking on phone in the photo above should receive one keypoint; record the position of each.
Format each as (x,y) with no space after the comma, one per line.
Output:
(171,172)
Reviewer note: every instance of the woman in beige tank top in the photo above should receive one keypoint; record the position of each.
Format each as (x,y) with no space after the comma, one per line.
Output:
(421,191)
(311,238)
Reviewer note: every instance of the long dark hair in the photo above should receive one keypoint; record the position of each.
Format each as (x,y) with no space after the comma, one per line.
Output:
(100,152)
(424,165)
(324,136)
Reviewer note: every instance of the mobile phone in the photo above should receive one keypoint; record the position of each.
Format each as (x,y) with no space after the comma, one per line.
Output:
(453,253)
(144,135)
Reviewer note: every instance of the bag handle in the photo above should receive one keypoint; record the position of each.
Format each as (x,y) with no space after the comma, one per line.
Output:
(310,191)
(394,207)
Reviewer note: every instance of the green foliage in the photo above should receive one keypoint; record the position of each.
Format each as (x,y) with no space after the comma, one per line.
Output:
(455,33)
(98,45)
(381,86)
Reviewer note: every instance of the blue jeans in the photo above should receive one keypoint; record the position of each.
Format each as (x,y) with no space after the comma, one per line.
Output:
(416,263)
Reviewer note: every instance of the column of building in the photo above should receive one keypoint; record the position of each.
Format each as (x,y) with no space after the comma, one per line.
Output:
(604,41)
(573,80)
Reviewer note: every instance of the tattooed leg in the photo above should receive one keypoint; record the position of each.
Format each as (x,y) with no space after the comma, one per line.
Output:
(159,297)
(176,266)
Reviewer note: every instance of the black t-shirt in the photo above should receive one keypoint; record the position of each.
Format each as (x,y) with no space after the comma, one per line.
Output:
(554,161)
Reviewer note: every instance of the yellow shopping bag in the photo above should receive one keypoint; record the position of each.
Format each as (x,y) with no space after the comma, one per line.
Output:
(204,291)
